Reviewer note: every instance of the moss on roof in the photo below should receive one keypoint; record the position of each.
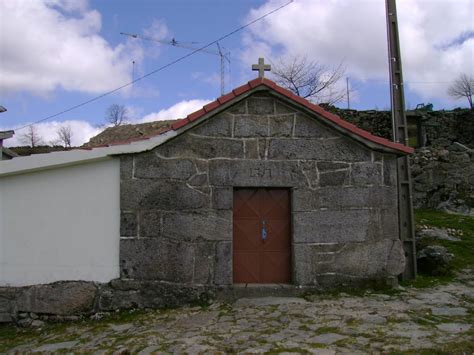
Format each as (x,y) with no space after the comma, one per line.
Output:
(127,132)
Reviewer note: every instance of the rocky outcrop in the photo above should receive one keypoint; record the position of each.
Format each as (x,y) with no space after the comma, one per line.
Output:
(434,260)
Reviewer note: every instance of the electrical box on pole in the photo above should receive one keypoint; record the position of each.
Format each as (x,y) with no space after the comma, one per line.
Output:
(400,135)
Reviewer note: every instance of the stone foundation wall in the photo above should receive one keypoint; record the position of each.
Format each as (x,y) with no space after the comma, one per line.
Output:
(176,200)
(61,300)
(73,300)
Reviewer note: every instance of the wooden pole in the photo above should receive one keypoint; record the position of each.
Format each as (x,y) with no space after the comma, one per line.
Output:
(400,135)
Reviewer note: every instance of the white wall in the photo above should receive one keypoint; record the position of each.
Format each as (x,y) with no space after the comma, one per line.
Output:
(60,224)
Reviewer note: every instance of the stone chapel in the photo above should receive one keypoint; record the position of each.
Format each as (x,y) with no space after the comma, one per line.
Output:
(258,187)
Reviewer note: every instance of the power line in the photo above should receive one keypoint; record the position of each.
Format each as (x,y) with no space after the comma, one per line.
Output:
(158,69)
(407,81)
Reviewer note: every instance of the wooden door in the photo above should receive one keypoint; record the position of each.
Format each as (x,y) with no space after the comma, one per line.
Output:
(262,236)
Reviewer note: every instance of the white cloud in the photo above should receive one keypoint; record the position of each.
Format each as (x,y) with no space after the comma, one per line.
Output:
(82,131)
(179,110)
(355,31)
(52,44)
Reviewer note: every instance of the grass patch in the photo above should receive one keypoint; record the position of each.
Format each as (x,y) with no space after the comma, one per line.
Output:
(454,348)
(325,330)
(426,281)
(11,336)
(463,250)
(352,322)
(304,327)
(287,350)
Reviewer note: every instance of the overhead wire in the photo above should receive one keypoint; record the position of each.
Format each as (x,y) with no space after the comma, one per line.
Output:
(156,70)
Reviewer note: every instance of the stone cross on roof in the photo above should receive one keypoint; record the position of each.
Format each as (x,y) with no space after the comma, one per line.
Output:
(261,67)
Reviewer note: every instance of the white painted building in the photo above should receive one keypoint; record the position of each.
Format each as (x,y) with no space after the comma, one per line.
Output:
(60,215)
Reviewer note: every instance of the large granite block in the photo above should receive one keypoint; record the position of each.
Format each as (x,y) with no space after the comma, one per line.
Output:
(367,173)
(326,166)
(334,178)
(307,127)
(260,105)
(283,108)
(223,264)
(249,126)
(150,223)
(126,167)
(344,197)
(191,146)
(162,194)
(156,259)
(222,198)
(281,125)
(310,172)
(61,298)
(251,149)
(255,173)
(338,149)
(128,224)
(375,260)
(198,180)
(338,226)
(204,260)
(239,107)
(201,225)
(390,170)
(149,166)
(218,126)
(389,221)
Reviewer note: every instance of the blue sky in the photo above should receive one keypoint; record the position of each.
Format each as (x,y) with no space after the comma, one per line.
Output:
(55,54)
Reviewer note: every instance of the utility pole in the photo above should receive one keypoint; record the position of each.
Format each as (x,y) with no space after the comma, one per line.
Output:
(133,74)
(400,135)
(222,69)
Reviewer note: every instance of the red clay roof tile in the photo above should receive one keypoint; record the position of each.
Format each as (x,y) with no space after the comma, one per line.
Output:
(181,123)
(211,106)
(227,97)
(241,89)
(195,115)
(290,95)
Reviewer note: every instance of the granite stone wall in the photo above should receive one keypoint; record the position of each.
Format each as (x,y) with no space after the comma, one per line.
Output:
(443,178)
(176,201)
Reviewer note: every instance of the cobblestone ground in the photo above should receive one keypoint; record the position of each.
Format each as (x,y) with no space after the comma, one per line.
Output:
(438,318)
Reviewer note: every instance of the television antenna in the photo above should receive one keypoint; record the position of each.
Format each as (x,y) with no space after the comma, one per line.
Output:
(224,56)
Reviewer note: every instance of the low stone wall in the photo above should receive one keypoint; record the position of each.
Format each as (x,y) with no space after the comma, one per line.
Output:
(61,300)
(438,128)
(442,170)
(73,300)
(443,178)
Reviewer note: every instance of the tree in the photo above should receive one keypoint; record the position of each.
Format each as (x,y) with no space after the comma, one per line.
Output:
(463,86)
(31,137)
(310,79)
(64,134)
(116,114)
